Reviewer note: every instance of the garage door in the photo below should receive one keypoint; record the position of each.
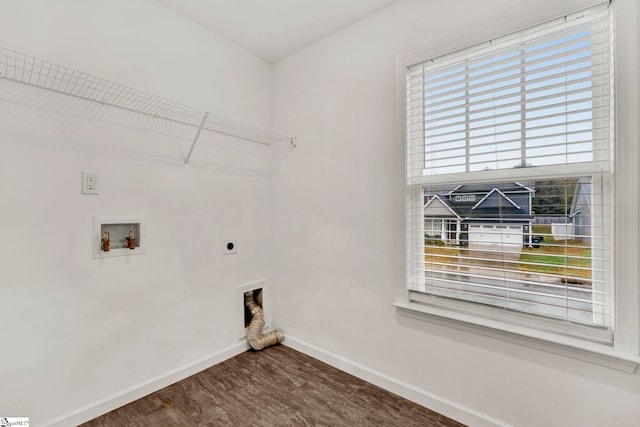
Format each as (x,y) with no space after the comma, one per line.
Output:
(489,235)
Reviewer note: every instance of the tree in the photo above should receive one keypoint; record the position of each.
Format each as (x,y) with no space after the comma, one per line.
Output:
(554,196)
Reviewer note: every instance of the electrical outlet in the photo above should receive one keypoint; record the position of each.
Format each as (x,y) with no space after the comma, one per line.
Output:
(89,183)
(230,247)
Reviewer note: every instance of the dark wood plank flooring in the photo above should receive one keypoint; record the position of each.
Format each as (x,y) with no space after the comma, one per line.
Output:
(274,387)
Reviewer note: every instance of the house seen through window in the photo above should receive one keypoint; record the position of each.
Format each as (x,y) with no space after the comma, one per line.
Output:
(509,151)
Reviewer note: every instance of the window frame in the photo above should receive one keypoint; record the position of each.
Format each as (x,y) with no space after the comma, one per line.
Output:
(623,352)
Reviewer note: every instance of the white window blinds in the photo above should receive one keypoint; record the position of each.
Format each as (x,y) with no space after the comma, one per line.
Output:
(509,153)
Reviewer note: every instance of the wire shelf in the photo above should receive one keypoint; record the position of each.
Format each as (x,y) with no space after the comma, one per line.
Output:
(38,73)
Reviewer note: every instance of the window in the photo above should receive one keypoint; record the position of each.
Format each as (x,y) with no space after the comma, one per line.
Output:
(465,198)
(509,148)
(433,229)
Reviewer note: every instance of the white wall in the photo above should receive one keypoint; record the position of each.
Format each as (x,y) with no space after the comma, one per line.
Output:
(145,45)
(339,228)
(75,330)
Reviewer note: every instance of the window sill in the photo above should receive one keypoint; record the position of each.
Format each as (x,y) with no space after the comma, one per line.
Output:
(576,348)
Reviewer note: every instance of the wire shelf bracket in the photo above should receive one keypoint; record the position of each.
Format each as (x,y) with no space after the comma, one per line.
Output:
(195,139)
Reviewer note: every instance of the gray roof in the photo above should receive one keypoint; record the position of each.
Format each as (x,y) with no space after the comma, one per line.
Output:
(498,201)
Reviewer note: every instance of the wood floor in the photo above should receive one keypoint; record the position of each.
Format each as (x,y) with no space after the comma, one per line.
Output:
(274,387)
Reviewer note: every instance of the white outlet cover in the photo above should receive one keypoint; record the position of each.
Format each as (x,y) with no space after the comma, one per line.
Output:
(230,246)
(89,183)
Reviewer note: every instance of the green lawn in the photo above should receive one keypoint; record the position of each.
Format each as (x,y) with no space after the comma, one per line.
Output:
(571,258)
(435,254)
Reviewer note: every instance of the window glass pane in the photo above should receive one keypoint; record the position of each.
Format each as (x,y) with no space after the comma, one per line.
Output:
(527,246)
(538,93)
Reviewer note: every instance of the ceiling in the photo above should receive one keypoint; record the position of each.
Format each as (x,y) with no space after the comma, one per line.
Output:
(273,29)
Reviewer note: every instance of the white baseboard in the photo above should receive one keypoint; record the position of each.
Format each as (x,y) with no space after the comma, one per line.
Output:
(422,397)
(144,388)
